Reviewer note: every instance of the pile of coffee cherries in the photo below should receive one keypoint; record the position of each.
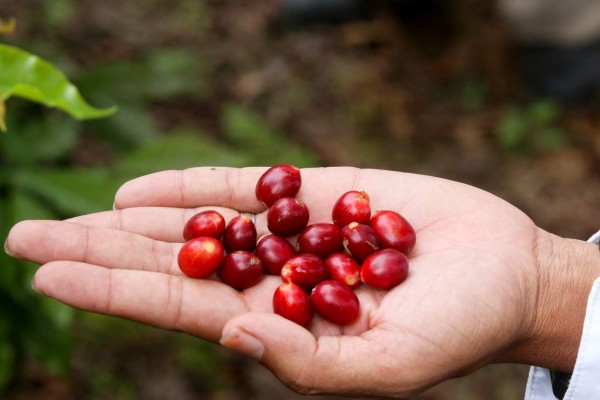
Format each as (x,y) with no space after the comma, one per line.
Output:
(329,259)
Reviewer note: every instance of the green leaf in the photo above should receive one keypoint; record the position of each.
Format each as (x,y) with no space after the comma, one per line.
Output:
(513,130)
(28,76)
(25,206)
(72,192)
(182,149)
(40,139)
(175,72)
(132,126)
(543,113)
(251,134)
(160,74)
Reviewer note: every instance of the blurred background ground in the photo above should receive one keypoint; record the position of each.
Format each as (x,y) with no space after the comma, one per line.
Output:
(429,87)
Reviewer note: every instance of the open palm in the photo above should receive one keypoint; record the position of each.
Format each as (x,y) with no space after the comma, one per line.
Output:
(472,275)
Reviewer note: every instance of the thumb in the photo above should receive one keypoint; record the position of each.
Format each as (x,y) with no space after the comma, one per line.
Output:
(306,364)
(282,346)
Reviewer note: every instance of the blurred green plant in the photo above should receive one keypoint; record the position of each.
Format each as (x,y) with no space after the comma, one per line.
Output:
(40,180)
(473,94)
(531,129)
(41,176)
(32,326)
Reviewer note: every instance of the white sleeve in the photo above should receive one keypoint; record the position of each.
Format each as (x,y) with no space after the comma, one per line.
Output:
(585,382)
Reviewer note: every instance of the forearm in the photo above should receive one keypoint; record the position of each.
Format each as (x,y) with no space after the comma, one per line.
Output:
(566,271)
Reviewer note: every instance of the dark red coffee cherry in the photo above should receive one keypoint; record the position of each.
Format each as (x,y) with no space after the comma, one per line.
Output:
(359,240)
(274,251)
(306,270)
(287,217)
(292,302)
(344,268)
(353,206)
(278,182)
(320,239)
(206,223)
(335,302)
(385,269)
(200,257)
(240,234)
(393,231)
(241,270)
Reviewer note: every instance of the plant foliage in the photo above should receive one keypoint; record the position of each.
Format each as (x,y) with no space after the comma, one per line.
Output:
(28,76)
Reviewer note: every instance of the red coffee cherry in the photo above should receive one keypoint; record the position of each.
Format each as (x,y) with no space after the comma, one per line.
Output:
(200,257)
(278,182)
(344,268)
(335,302)
(359,240)
(393,231)
(292,302)
(274,251)
(384,269)
(320,239)
(353,206)
(206,223)
(241,270)
(306,270)
(287,217)
(240,234)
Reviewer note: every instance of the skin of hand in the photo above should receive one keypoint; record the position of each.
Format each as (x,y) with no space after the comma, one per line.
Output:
(482,285)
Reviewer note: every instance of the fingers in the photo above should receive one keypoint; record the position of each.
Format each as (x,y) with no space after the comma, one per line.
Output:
(200,307)
(227,187)
(422,198)
(158,223)
(224,187)
(327,364)
(46,241)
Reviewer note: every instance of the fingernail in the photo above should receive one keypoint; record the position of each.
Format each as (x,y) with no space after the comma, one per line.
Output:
(239,340)
(114,205)
(6,250)
(35,289)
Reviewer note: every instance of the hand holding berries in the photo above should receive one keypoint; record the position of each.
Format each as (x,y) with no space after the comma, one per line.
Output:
(468,300)
(318,265)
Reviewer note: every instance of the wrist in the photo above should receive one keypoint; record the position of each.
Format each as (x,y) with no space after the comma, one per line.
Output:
(565,272)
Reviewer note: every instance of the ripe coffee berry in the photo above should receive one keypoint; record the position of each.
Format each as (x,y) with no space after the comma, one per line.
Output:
(393,231)
(352,206)
(241,270)
(240,234)
(359,240)
(274,251)
(320,239)
(200,257)
(292,302)
(344,268)
(287,217)
(278,182)
(206,223)
(384,269)
(335,302)
(306,270)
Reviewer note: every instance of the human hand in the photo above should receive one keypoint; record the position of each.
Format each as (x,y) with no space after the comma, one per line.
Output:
(471,297)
